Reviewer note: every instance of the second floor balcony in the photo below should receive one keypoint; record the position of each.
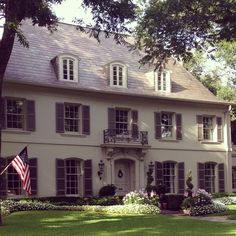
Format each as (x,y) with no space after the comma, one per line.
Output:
(113,136)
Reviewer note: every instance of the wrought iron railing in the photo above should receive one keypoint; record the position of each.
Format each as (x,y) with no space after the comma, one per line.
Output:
(127,136)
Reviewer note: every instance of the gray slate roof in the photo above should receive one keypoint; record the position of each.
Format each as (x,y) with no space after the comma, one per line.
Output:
(33,65)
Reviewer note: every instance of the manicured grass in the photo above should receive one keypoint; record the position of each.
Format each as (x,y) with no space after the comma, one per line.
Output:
(69,223)
(232,212)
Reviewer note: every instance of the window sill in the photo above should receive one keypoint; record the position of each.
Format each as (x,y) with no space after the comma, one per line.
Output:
(68,81)
(169,140)
(16,131)
(73,135)
(210,142)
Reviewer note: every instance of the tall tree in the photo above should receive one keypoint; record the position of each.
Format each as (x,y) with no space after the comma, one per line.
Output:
(174,27)
(109,15)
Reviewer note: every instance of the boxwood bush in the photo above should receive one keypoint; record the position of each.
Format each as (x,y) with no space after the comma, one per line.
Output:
(174,201)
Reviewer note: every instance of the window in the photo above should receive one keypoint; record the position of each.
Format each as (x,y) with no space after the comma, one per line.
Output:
(207,177)
(18,114)
(68,65)
(14,186)
(118,75)
(210,177)
(72,118)
(72,176)
(210,128)
(122,121)
(162,81)
(168,125)
(207,128)
(15,113)
(10,181)
(169,176)
(70,180)
(234,177)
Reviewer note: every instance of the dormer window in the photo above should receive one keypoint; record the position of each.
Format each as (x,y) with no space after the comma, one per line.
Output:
(118,75)
(68,68)
(162,81)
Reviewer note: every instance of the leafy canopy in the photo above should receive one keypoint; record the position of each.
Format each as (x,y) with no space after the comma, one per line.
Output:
(174,27)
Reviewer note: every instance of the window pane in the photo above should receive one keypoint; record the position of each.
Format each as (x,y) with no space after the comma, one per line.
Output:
(72,120)
(166,125)
(72,176)
(208,128)
(14,182)
(210,177)
(15,114)
(169,176)
(121,121)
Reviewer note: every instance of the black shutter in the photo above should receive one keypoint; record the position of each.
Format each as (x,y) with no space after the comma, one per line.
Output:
(157,120)
(181,177)
(219,129)
(60,177)
(112,121)
(159,172)
(3,178)
(178,126)
(33,175)
(3,117)
(134,116)
(88,182)
(30,115)
(86,119)
(221,177)
(201,175)
(200,127)
(60,117)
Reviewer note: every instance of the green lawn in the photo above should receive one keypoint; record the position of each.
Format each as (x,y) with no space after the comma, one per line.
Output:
(69,223)
(232,209)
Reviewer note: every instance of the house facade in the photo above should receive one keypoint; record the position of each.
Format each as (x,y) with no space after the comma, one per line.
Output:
(91,116)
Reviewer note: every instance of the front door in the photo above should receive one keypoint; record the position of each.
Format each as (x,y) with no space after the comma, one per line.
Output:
(122,177)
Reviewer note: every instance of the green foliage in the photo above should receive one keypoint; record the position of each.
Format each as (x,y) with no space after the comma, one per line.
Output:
(140,198)
(108,190)
(10,206)
(176,27)
(214,207)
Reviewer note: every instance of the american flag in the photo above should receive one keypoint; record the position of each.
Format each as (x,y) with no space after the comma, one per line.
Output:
(21,165)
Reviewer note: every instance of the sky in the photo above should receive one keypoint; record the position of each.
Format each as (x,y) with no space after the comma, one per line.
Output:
(67,11)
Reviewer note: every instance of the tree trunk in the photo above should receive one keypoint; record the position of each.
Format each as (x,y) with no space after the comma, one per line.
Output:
(6,45)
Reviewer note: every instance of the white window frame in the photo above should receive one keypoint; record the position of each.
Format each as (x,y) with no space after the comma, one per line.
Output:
(21,116)
(210,130)
(211,176)
(172,176)
(79,118)
(118,65)
(75,60)
(163,81)
(78,188)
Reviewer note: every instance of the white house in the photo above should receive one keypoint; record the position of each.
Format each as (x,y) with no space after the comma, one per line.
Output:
(92,116)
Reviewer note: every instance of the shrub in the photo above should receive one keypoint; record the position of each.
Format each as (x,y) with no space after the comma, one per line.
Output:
(214,207)
(108,190)
(140,198)
(224,200)
(10,206)
(174,201)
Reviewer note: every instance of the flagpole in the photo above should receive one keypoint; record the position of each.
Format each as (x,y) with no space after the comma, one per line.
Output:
(5,168)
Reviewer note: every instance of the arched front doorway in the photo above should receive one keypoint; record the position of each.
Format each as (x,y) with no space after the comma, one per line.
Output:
(124,176)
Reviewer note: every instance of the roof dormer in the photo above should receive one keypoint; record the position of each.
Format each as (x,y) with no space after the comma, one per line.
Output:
(66,67)
(118,74)
(163,81)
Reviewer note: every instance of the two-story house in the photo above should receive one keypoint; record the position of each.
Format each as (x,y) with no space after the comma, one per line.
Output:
(93,116)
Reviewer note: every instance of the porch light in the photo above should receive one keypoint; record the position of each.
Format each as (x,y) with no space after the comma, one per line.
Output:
(100,169)
(151,166)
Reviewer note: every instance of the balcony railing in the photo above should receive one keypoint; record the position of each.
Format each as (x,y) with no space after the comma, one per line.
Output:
(132,137)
